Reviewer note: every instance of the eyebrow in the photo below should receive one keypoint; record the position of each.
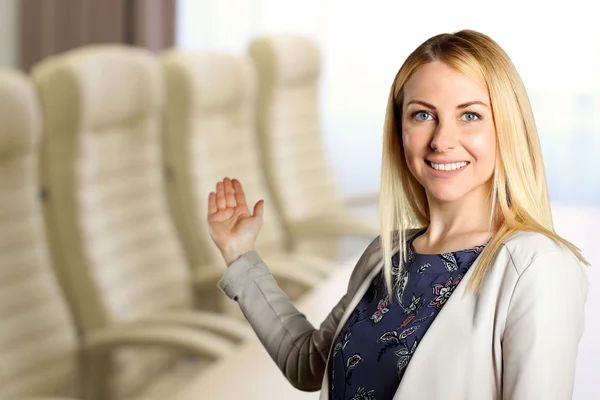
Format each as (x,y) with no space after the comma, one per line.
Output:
(460,106)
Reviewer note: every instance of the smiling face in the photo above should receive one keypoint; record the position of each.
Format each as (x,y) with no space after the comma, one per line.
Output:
(448,134)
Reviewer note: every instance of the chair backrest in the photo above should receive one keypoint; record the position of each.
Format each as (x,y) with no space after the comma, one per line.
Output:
(38,338)
(289,126)
(117,251)
(209,135)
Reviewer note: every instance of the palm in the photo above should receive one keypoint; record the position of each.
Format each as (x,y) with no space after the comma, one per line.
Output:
(232,227)
(232,223)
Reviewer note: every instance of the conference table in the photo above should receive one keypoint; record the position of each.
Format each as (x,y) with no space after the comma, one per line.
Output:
(250,373)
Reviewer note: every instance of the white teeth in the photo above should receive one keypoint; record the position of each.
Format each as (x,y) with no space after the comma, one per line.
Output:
(449,167)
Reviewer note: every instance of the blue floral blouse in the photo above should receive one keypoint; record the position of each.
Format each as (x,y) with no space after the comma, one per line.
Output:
(377,342)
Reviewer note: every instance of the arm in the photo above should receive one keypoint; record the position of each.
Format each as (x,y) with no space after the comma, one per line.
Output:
(293,343)
(297,347)
(544,325)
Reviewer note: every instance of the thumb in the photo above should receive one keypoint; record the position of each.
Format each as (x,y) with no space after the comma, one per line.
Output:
(259,209)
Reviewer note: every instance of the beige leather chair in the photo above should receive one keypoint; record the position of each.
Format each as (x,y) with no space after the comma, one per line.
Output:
(38,342)
(293,154)
(40,352)
(210,134)
(113,244)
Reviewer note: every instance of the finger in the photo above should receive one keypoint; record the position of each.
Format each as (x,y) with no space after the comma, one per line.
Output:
(240,196)
(212,203)
(220,196)
(229,193)
(259,209)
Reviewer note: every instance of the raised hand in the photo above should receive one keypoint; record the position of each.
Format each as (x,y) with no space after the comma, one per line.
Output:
(233,229)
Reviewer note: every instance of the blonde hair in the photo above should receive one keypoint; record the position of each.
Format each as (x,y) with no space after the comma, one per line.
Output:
(519,194)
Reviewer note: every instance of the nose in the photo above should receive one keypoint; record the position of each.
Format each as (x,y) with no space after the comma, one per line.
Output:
(444,138)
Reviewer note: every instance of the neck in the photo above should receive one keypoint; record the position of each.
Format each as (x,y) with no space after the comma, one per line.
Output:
(470,214)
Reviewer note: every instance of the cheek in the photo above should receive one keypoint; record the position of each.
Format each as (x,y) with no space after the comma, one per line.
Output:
(483,146)
(405,140)
(408,144)
(411,152)
(411,143)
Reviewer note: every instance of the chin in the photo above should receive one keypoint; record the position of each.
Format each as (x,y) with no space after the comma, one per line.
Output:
(446,199)
(446,196)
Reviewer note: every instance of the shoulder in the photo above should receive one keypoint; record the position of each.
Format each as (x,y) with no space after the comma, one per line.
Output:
(369,258)
(528,249)
(372,257)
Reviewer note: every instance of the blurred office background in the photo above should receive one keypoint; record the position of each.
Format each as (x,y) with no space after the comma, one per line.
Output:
(554,45)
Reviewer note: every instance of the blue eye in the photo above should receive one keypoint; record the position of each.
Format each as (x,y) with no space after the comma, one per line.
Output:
(469,116)
(422,115)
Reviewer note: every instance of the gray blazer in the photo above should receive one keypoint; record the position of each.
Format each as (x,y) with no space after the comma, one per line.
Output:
(517,339)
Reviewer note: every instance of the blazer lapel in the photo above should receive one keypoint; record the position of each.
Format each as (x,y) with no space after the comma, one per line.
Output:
(364,286)
(360,292)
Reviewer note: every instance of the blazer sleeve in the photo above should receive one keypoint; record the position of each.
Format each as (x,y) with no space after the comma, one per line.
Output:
(544,325)
(298,348)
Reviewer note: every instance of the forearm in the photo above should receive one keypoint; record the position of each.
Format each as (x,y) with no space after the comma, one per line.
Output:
(298,348)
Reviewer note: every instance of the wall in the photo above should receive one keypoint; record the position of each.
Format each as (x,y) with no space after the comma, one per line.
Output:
(9,33)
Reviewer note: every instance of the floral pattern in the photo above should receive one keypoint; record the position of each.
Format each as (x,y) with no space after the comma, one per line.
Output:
(442,292)
(375,346)
(381,310)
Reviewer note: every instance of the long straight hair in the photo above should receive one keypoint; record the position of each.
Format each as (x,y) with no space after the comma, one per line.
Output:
(519,194)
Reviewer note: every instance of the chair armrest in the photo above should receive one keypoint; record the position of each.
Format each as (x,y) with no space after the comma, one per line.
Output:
(363,199)
(307,262)
(209,275)
(286,268)
(196,342)
(335,226)
(221,325)
(45,398)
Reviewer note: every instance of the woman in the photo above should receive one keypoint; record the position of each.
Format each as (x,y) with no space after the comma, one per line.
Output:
(489,301)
